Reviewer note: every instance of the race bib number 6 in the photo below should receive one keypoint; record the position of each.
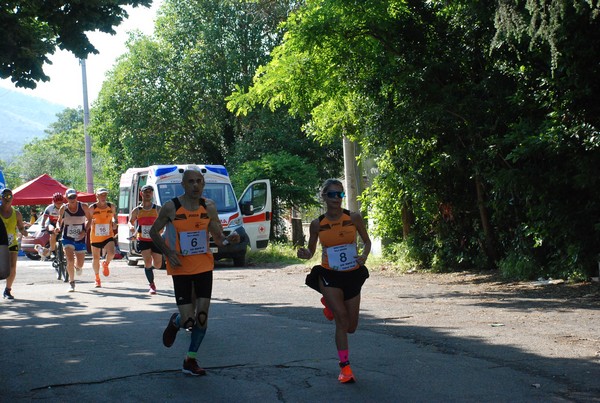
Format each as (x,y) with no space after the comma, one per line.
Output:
(342,257)
(193,242)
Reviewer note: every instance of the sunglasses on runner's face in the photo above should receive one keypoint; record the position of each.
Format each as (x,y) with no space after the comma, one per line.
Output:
(72,197)
(7,196)
(335,195)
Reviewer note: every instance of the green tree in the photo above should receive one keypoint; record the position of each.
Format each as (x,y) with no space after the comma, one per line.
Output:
(32,30)
(292,183)
(463,126)
(173,87)
(164,102)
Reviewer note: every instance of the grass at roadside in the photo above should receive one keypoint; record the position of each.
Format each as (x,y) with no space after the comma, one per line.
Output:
(285,254)
(279,253)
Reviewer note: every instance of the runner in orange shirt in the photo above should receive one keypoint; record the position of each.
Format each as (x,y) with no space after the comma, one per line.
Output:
(190,221)
(342,272)
(102,233)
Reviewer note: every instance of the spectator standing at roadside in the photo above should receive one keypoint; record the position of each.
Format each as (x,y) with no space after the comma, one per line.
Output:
(73,219)
(342,273)
(190,220)
(102,233)
(33,216)
(140,221)
(13,222)
(51,218)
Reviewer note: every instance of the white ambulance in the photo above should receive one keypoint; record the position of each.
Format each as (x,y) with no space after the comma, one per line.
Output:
(250,216)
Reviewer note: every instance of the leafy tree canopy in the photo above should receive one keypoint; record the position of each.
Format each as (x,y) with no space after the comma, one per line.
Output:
(32,30)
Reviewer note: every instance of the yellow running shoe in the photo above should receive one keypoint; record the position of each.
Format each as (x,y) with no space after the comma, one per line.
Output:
(346,375)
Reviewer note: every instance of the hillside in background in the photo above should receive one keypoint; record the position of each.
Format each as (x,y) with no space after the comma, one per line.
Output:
(22,117)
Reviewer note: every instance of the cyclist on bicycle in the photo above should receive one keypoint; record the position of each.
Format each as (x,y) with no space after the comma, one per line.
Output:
(51,217)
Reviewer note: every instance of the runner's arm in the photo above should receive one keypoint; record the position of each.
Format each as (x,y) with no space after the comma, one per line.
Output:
(166,214)
(216,229)
(359,223)
(307,253)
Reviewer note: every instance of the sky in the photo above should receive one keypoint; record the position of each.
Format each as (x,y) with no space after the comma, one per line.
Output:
(66,85)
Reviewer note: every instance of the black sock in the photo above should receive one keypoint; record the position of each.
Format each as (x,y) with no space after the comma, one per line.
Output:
(149,274)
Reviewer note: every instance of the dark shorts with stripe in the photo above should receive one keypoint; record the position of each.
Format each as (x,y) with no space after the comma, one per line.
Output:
(350,282)
(143,245)
(185,286)
(103,243)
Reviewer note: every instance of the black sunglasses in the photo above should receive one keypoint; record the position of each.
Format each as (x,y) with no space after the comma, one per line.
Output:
(335,195)
(72,197)
(7,196)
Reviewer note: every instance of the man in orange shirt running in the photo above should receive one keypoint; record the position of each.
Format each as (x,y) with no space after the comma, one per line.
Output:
(190,221)
(102,233)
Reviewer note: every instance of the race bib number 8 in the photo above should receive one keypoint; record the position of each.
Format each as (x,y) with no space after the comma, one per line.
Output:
(342,257)
(193,242)
(102,229)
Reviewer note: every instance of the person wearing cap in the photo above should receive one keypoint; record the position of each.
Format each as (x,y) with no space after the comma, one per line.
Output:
(73,219)
(13,222)
(51,218)
(140,221)
(102,233)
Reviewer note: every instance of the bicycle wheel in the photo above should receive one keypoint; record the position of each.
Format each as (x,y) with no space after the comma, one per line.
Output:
(62,264)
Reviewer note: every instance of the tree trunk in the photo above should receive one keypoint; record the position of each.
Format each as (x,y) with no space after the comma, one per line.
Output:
(490,243)
(298,238)
(407,219)
(350,175)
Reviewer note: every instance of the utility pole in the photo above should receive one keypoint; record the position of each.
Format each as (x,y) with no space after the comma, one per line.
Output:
(89,174)
(350,175)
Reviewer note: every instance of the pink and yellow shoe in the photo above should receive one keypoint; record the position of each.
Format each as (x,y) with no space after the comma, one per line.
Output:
(326,311)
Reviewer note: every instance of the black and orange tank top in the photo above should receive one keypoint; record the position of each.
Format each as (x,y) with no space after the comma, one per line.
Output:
(190,238)
(338,241)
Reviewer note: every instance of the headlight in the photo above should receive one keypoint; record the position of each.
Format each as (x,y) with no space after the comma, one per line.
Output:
(236,222)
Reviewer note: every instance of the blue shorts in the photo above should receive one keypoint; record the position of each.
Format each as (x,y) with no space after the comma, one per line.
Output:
(79,246)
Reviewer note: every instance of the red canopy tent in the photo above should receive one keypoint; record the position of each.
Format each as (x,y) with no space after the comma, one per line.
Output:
(40,191)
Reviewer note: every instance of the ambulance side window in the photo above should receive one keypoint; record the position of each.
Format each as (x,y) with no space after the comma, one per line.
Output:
(124,200)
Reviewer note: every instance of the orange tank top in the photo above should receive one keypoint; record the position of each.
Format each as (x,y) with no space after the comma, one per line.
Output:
(338,241)
(102,224)
(188,235)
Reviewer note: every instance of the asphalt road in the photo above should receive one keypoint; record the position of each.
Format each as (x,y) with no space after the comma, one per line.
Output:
(418,341)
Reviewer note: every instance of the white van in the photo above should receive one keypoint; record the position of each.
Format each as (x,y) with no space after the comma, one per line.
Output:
(250,216)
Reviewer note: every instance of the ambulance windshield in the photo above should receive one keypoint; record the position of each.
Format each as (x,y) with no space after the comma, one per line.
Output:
(221,193)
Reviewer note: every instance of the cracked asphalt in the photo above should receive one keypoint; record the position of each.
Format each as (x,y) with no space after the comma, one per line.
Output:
(422,338)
